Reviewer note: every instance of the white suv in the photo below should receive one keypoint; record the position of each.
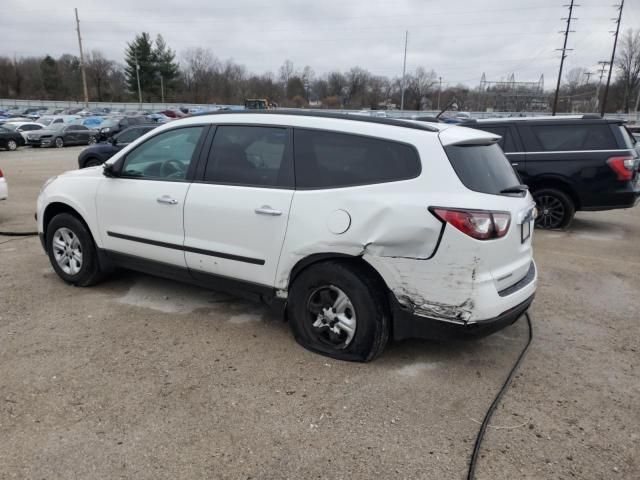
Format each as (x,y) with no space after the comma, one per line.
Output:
(361,229)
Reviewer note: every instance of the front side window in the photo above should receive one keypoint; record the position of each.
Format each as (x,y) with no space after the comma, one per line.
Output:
(574,137)
(331,160)
(249,155)
(166,156)
(129,135)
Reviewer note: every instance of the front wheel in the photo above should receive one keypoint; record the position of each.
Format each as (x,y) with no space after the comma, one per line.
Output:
(555,208)
(71,251)
(339,310)
(92,162)
(59,143)
(12,145)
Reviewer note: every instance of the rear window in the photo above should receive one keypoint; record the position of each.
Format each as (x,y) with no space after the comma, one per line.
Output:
(574,137)
(331,160)
(482,168)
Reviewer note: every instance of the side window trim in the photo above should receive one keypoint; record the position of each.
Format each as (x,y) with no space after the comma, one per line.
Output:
(287,160)
(194,158)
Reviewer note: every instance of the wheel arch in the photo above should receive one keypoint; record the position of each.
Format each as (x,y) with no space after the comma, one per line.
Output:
(56,208)
(558,183)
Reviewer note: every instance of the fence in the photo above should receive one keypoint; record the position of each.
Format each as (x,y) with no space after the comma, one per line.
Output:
(154,107)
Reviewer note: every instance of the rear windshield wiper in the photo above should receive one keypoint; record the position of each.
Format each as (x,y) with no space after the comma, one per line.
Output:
(515,189)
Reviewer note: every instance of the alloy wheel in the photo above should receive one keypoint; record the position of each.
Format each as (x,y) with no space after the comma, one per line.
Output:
(67,251)
(59,142)
(551,212)
(12,145)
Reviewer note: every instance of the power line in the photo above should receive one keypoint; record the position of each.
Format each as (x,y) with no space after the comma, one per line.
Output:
(613,55)
(564,53)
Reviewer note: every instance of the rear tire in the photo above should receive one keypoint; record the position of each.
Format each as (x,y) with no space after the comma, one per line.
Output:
(339,310)
(59,142)
(92,141)
(12,145)
(555,208)
(72,252)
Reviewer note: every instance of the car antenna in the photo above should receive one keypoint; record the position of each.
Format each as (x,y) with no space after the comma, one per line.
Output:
(453,102)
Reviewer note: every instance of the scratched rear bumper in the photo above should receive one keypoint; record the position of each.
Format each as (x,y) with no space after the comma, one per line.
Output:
(406,324)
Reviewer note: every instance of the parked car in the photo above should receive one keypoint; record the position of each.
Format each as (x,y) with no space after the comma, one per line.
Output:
(23,127)
(47,120)
(101,152)
(570,163)
(10,139)
(58,135)
(375,236)
(4,189)
(113,126)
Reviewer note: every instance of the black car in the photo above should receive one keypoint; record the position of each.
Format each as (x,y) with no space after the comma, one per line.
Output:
(113,126)
(101,152)
(10,139)
(570,163)
(58,135)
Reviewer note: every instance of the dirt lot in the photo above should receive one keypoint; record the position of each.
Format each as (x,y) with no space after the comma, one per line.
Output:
(144,378)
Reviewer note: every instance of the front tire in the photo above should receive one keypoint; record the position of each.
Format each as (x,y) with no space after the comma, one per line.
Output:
(72,252)
(339,310)
(555,209)
(12,145)
(92,162)
(59,142)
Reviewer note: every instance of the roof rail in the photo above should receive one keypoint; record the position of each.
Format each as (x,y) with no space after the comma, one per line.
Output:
(341,116)
(591,116)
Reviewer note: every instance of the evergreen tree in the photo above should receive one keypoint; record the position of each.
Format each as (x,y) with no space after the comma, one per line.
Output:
(50,76)
(139,54)
(154,59)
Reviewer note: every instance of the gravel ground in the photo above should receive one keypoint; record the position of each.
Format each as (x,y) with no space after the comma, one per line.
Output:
(145,378)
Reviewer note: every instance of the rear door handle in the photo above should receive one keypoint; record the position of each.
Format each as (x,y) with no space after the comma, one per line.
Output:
(167,200)
(267,210)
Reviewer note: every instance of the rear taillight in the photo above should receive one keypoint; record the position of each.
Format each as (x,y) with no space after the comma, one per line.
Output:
(623,166)
(478,224)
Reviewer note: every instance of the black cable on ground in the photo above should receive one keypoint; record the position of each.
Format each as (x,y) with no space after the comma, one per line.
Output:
(487,417)
(18,234)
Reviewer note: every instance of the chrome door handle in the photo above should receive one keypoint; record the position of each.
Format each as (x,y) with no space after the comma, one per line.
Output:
(267,210)
(167,200)
(515,164)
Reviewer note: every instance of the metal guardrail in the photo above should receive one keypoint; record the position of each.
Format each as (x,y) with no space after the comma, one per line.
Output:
(134,106)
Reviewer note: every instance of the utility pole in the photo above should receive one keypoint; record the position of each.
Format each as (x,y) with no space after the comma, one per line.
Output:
(588,75)
(84,75)
(162,88)
(603,68)
(613,54)
(404,69)
(138,79)
(564,51)
(439,91)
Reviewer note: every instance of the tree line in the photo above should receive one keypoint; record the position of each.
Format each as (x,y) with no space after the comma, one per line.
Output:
(199,76)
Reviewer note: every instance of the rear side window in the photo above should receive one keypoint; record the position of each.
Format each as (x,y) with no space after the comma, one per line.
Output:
(249,155)
(482,168)
(330,160)
(574,137)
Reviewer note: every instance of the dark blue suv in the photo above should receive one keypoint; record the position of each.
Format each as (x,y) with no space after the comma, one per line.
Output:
(103,151)
(570,163)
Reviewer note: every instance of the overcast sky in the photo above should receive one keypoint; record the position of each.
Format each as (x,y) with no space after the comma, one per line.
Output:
(459,39)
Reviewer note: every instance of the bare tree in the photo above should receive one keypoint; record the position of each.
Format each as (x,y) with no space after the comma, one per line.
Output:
(628,64)
(419,86)
(199,69)
(284,74)
(99,70)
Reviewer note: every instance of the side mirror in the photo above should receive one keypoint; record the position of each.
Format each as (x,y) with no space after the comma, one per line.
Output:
(113,141)
(110,170)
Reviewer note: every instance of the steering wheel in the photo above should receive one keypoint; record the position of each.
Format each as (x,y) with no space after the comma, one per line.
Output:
(172,169)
